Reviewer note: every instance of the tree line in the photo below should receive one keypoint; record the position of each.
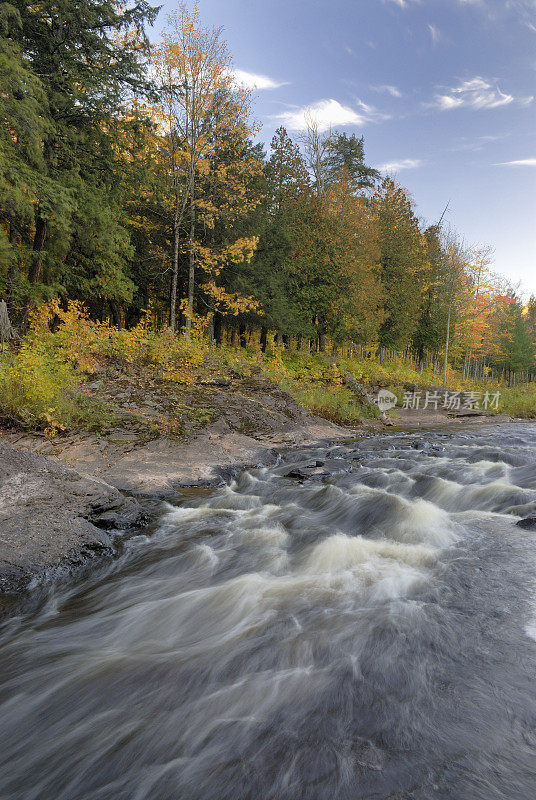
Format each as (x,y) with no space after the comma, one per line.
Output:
(131,177)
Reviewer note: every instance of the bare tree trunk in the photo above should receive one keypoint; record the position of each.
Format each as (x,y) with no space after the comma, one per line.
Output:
(447,341)
(12,269)
(191,278)
(175,273)
(116,312)
(218,327)
(364,396)
(334,353)
(191,270)
(210,329)
(36,264)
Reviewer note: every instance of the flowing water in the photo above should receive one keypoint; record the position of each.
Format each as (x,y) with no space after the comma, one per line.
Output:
(369,632)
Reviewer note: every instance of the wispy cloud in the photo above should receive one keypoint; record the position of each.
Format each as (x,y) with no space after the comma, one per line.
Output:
(388,89)
(251,80)
(525,10)
(434,33)
(401,3)
(328,114)
(477,94)
(396,166)
(479,143)
(524,162)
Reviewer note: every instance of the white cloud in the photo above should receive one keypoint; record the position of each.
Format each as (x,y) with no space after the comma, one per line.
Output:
(434,33)
(396,166)
(250,80)
(392,90)
(524,162)
(328,114)
(477,94)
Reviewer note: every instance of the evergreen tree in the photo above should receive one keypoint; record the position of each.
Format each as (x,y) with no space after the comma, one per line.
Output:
(287,189)
(403,260)
(432,320)
(346,161)
(517,347)
(87,55)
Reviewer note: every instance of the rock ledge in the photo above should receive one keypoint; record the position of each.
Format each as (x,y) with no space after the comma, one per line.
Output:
(52,516)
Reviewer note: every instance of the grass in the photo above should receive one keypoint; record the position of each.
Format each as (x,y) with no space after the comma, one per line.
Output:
(518,402)
(336,403)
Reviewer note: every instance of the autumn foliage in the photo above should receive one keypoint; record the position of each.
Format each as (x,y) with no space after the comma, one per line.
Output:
(131,179)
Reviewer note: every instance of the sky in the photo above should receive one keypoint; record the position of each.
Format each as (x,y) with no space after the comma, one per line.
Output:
(442,90)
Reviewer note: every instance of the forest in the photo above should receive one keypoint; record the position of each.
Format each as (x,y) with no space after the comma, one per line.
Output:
(134,182)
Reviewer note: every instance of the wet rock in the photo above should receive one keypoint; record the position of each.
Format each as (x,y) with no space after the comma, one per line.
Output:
(529,523)
(317,469)
(52,515)
(299,474)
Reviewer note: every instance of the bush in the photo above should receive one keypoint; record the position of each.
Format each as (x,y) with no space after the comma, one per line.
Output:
(40,382)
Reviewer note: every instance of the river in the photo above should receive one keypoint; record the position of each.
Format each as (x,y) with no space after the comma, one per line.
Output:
(364,629)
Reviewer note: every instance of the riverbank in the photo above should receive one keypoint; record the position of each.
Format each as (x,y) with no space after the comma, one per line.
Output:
(62,499)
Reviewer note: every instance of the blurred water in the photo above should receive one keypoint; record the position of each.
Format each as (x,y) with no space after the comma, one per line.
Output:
(368,632)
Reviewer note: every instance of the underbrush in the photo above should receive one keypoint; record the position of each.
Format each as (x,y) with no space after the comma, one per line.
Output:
(336,403)
(317,385)
(518,402)
(42,382)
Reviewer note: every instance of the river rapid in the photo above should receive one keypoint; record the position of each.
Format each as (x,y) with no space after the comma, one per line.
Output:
(365,628)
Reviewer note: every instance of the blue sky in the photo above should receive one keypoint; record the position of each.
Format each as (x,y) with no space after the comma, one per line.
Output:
(442,90)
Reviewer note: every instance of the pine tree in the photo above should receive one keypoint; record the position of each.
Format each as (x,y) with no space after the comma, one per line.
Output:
(88,55)
(346,161)
(403,263)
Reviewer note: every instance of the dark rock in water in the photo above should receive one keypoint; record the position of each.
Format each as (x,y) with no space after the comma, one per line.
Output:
(529,523)
(299,474)
(52,517)
(318,469)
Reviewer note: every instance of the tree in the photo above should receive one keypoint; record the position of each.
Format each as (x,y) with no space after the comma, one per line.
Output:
(517,348)
(403,258)
(200,109)
(345,160)
(82,58)
(286,188)
(316,146)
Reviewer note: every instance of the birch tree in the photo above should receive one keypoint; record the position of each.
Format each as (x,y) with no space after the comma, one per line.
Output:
(199,107)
